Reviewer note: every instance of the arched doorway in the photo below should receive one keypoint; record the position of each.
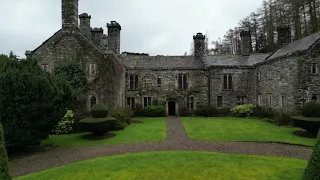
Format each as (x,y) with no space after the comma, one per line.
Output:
(171,108)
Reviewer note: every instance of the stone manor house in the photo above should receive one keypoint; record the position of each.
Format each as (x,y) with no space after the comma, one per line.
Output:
(283,80)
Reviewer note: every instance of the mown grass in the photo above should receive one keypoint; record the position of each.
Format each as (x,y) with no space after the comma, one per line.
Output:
(153,129)
(241,129)
(177,165)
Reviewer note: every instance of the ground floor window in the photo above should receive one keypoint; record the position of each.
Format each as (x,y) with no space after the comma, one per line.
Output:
(241,100)
(131,103)
(270,100)
(147,101)
(283,101)
(260,100)
(190,103)
(219,101)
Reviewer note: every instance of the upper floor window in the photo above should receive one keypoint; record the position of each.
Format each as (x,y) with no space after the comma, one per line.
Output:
(134,82)
(147,101)
(93,101)
(259,76)
(93,69)
(241,100)
(190,103)
(45,67)
(314,69)
(270,74)
(182,82)
(159,82)
(227,82)
(260,100)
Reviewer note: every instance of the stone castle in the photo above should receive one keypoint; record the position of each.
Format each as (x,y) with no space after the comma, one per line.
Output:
(283,80)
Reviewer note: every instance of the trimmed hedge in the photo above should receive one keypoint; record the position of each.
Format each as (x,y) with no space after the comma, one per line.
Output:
(311,124)
(311,109)
(155,111)
(245,110)
(312,172)
(223,112)
(205,111)
(99,111)
(98,126)
(4,169)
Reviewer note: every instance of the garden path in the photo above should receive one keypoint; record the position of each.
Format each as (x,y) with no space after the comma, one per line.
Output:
(177,139)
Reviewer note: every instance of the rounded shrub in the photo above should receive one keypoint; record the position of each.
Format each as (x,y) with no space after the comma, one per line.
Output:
(245,110)
(98,126)
(4,169)
(155,111)
(311,124)
(99,111)
(312,172)
(311,109)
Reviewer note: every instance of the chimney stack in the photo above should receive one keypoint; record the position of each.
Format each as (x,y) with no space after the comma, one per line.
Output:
(85,24)
(246,47)
(97,34)
(284,36)
(69,14)
(114,29)
(199,45)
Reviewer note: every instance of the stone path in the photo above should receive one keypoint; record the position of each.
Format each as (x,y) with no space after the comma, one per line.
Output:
(176,140)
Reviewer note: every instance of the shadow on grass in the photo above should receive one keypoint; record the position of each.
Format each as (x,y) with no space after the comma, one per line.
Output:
(93,137)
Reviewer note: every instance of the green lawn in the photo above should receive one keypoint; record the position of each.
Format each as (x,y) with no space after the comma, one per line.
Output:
(153,129)
(241,129)
(177,165)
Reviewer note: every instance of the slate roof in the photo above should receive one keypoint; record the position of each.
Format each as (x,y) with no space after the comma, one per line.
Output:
(300,45)
(235,60)
(162,62)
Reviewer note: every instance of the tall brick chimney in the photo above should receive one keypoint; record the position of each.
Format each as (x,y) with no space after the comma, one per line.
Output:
(114,29)
(85,24)
(284,36)
(69,14)
(246,47)
(199,45)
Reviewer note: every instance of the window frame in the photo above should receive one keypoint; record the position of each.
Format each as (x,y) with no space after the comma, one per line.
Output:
(259,76)
(147,101)
(241,100)
(190,103)
(282,101)
(260,100)
(314,69)
(183,82)
(219,105)
(45,67)
(270,100)
(227,82)
(133,82)
(270,74)
(92,68)
(159,82)
(93,98)
(130,103)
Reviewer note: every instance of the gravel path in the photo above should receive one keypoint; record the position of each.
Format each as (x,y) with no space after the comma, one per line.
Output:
(176,140)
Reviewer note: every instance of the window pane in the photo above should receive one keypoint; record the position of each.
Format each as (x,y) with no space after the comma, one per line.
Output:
(136,82)
(149,101)
(133,104)
(219,101)
(230,82)
(128,103)
(225,82)
(131,82)
(180,82)
(145,102)
(185,82)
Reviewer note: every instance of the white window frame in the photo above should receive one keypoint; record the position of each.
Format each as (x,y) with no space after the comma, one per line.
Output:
(190,103)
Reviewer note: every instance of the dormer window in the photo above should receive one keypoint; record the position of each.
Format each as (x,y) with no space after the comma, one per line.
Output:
(314,69)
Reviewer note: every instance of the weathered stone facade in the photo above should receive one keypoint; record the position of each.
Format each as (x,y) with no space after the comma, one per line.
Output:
(283,80)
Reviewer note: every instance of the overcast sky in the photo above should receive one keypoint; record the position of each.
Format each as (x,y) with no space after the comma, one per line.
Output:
(150,26)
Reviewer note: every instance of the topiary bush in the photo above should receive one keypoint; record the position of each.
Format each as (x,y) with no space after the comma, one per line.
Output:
(99,111)
(4,169)
(311,124)
(98,126)
(245,110)
(65,126)
(205,111)
(155,111)
(312,172)
(311,109)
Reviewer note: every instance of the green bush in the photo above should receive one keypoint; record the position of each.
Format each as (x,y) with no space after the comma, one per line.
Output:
(312,172)
(184,111)
(65,126)
(123,115)
(98,126)
(119,126)
(155,111)
(245,110)
(311,109)
(263,112)
(205,111)
(311,124)
(283,119)
(4,169)
(223,112)
(32,102)
(99,111)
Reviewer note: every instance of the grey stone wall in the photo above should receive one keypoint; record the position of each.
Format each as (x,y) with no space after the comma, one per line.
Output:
(197,86)
(243,85)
